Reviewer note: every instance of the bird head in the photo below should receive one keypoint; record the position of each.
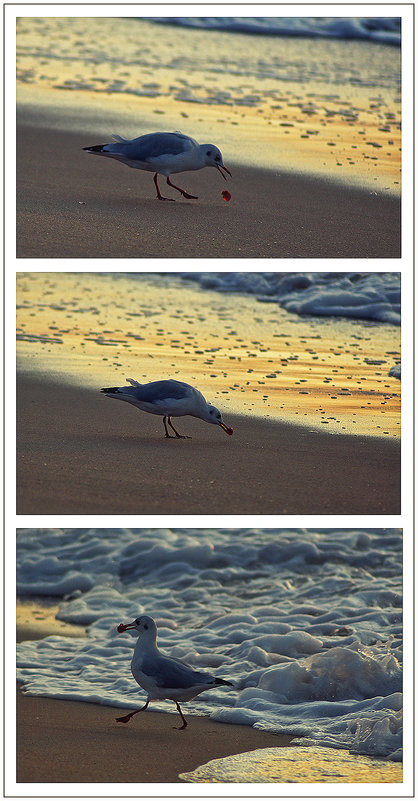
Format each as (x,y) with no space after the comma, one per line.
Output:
(143,625)
(214,416)
(213,158)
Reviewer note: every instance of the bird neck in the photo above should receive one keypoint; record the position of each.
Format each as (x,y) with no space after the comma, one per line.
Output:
(149,641)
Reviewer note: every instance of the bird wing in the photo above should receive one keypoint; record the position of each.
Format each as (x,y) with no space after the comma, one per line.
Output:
(151,146)
(171,674)
(160,391)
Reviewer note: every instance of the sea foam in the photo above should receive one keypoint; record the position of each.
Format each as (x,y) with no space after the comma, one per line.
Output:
(307,624)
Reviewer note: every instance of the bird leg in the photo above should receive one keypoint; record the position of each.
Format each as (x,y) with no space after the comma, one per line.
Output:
(182,717)
(126,718)
(185,194)
(178,436)
(166,429)
(159,195)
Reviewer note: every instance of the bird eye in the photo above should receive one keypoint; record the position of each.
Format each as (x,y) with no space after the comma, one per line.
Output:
(208,153)
(145,626)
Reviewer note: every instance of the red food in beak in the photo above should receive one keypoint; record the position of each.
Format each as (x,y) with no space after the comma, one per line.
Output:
(122,627)
(226,195)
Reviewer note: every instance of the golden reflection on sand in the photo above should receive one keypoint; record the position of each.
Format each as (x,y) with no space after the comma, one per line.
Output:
(315,108)
(246,357)
(298,764)
(36,618)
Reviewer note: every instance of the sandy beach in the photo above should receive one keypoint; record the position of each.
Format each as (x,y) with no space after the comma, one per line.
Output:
(314,148)
(84,207)
(68,741)
(96,330)
(74,449)
(71,742)
(48,728)
(310,400)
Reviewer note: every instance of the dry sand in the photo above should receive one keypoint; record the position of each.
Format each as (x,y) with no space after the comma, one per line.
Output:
(73,205)
(78,454)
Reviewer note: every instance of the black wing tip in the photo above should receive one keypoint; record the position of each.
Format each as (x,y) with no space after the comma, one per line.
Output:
(109,389)
(222,681)
(94,148)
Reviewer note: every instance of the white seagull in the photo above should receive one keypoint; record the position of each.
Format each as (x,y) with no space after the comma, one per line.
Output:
(161,676)
(168,399)
(163,153)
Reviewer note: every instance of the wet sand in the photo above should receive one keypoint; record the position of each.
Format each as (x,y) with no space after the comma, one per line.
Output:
(296,120)
(246,357)
(71,742)
(79,454)
(324,106)
(74,205)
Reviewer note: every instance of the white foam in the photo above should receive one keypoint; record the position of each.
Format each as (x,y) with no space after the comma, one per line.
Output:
(362,296)
(385,30)
(307,624)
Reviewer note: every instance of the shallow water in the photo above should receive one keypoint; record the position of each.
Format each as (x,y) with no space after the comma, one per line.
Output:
(296,764)
(306,623)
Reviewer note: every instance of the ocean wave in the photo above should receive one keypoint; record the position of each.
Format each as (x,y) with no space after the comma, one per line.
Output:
(306,623)
(384,30)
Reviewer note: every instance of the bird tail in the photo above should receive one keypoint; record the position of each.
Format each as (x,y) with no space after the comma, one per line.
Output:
(222,681)
(120,390)
(118,138)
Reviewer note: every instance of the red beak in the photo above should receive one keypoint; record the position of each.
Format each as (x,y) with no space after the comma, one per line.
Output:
(124,626)
(226,428)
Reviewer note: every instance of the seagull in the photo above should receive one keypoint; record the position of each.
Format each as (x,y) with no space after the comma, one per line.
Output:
(169,399)
(163,153)
(162,676)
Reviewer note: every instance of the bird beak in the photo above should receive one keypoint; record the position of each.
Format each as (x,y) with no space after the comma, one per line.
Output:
(226,428)
(125,627)
(223,168)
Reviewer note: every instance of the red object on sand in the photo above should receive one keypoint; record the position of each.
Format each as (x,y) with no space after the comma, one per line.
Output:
(121,627)
(226,196)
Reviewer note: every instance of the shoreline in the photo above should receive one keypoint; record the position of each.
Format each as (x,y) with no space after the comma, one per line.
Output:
(85,733)
(101,209)
(79,455)
(46,729)
(246,357)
